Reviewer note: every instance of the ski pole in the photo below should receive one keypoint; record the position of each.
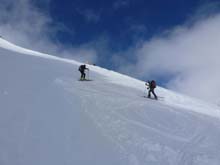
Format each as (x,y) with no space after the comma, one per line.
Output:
(88,74)
(144,90)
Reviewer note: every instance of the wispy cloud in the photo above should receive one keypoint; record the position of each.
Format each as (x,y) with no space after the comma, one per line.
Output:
(121,3)
(89,15)
(23,23)
(206,10)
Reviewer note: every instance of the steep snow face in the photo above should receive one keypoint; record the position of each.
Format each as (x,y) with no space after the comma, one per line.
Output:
(48,117)
(40,122)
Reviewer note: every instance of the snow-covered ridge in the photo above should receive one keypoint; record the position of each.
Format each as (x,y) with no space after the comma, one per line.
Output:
(169,97)
(114,75)
(12,47)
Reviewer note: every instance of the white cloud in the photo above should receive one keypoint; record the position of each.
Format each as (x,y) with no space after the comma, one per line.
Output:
(22,23)
(188,55)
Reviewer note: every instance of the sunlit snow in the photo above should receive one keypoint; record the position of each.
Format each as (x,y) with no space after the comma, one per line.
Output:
(48,117)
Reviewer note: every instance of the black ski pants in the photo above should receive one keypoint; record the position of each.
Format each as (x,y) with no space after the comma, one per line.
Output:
(83,75)
(151,90)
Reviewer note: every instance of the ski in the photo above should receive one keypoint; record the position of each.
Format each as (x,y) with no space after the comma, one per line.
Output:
(152,98)
(85,80)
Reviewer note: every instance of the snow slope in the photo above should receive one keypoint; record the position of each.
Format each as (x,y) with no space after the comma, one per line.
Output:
(48,117)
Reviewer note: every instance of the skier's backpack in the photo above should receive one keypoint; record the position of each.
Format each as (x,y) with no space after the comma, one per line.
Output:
(153,84)
(82,67)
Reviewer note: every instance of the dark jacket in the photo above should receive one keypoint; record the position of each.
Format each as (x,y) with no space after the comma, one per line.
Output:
(151,84)
(82,68)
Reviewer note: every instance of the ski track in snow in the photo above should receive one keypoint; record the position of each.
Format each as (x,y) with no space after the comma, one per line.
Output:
(176,130)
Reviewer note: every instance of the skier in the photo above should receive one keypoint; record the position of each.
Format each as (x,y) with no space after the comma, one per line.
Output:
(82,69)
(151,85)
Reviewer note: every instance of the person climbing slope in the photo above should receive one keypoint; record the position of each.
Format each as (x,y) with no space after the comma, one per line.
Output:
(82,69)
(151,85)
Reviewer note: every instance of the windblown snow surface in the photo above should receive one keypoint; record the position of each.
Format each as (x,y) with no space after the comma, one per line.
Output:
(48,117)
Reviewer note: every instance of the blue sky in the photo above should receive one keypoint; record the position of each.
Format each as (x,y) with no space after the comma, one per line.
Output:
(122,21)
(117,24)
(175,42)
